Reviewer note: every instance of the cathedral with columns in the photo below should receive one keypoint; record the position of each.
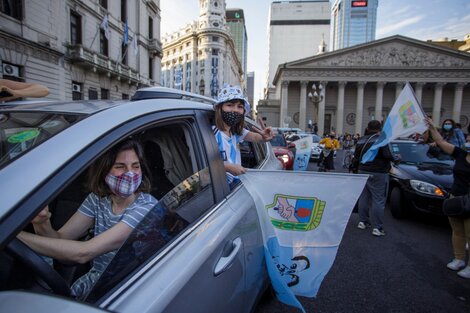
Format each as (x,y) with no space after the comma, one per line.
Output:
(344,89)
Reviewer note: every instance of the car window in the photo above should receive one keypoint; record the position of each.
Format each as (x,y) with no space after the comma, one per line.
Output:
(278,141)
(22,131)
(252,153)
(181,182)
(316,139)
(417,153)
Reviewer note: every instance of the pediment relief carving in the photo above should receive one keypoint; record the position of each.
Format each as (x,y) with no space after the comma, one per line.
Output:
(391,54)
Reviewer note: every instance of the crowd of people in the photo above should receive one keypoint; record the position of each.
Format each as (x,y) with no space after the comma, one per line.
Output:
(449,138)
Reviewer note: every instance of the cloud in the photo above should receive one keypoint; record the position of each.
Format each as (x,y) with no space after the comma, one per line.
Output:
(392,29)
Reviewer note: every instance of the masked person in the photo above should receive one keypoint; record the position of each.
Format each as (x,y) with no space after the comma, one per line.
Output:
(118,202)
(460,187)
(452,134)
(229,130)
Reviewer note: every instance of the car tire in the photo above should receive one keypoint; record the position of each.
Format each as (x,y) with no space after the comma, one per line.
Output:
(397,207)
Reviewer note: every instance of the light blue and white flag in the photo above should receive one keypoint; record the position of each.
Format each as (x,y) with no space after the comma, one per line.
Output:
(303,150)
(105,26)
(125,38)
(406,118)
(303,216)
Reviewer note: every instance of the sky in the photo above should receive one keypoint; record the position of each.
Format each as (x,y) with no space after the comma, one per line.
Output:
(418,19)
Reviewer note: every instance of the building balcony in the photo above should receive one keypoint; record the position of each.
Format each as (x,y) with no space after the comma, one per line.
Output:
(99,63)
(155,47)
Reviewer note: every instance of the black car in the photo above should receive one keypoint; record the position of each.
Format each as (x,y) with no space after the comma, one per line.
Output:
(421,180)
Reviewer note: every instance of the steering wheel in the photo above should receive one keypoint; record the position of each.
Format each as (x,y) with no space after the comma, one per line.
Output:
(24,254)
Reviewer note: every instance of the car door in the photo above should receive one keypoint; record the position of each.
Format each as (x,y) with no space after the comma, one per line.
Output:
(203,268)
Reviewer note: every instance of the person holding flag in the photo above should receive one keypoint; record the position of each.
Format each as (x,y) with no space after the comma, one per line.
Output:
(406,118)
(372,201)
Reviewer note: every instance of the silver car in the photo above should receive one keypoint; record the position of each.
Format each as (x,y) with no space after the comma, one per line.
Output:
(211,258)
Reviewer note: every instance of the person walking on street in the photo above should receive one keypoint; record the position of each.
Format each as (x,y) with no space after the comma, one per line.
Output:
(460,187)
(372,200)
(330,145)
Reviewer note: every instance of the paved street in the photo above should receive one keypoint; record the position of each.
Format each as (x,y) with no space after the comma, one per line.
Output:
(402,272)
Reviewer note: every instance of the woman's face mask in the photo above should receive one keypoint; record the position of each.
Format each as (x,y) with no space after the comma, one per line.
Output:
(125,184)
(447,127)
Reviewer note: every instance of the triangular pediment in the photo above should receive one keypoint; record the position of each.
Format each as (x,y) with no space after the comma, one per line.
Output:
(391,52)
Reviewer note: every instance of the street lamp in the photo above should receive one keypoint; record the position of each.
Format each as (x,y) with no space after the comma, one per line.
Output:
(316,97)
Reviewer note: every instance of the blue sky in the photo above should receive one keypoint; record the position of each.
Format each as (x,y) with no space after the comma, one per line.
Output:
(419,19)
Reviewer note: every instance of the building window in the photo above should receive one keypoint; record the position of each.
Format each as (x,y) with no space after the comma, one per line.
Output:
(150,28)
(150,68)
(103,43)
(123,11)
(77,91)
(125,96)
(104,4)
(12,8)
(104,93)
(75,28)
(215,38)
(215,51)
(92,94)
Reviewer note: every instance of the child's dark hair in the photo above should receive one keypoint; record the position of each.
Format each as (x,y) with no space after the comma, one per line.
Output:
(101,167)
(219,123)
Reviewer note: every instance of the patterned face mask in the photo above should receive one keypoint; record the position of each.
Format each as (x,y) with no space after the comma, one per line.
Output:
(231,118)
(125,184)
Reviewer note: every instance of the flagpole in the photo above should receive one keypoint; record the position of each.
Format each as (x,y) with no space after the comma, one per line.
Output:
(96,34)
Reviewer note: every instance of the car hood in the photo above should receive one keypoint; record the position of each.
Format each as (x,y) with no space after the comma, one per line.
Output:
(437,174)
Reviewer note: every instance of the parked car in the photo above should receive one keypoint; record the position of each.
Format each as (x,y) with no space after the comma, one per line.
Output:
(421,180)
(316,149)
(284,152)
(212,257)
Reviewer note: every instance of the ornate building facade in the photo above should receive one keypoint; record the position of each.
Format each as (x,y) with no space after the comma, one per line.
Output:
(361,83)
(66,46)
(201,56)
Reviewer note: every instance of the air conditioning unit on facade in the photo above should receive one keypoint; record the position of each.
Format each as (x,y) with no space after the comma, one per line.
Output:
(76,87)
(11,70)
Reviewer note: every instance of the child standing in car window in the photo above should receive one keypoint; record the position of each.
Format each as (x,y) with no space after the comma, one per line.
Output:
(229,130)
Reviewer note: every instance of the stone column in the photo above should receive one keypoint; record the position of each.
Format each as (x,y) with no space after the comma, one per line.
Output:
(321,109)
(419,91)
(340,111)
(399,88)
(379,98)
(457,102)
(436,108)
(303,105)
(359,106)
(283,108)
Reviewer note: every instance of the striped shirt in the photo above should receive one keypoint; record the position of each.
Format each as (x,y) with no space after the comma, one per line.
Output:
(100,209)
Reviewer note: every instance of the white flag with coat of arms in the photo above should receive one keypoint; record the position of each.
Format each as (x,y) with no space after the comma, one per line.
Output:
(406,118)
(303,216)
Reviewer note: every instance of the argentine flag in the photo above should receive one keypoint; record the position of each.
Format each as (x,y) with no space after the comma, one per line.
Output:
(303,216)
(405,118)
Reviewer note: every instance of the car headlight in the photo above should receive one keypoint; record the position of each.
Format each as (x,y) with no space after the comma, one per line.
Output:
(427,188)
(285,158)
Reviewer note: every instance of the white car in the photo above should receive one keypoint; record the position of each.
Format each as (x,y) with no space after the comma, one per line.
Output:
(211,258)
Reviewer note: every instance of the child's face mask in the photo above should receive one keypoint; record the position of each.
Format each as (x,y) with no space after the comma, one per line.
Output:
(231,118)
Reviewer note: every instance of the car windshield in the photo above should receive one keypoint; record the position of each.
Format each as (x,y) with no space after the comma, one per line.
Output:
(278,141)
(316,138)
(420,153)
(22,131)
